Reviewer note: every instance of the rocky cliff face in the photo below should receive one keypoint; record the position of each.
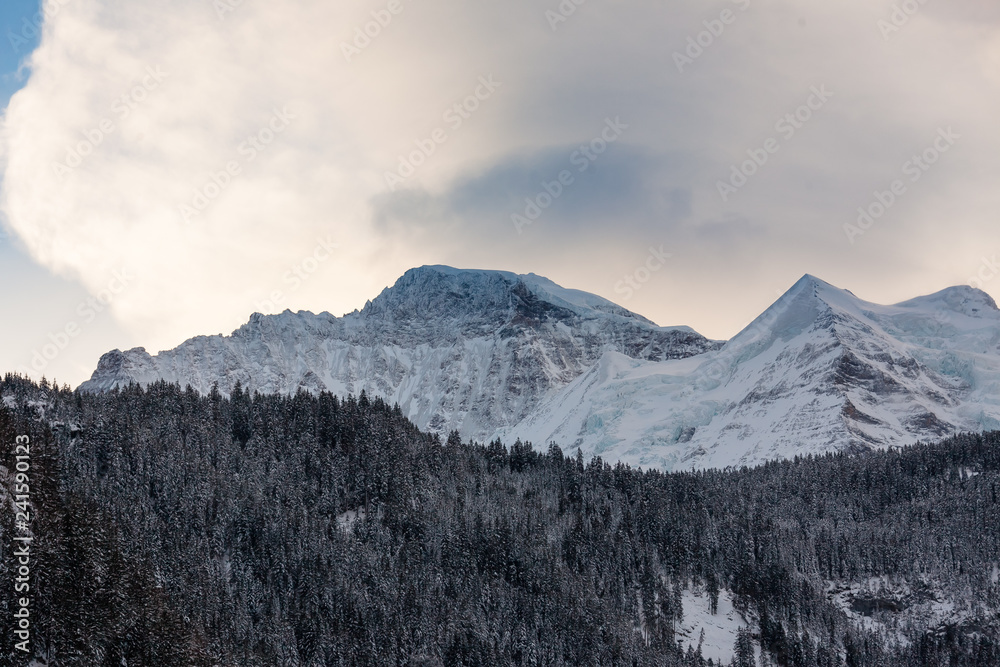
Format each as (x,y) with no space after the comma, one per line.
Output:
(471,350)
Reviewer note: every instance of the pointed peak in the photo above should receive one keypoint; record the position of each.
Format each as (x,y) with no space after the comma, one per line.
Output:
(811,281)
(819,288)
(806,304)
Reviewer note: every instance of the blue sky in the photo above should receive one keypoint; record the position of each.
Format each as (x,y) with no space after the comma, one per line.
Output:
(13,15)
(192,162)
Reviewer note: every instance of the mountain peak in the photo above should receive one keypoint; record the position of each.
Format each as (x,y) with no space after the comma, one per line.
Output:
(466,349)
(821,289)
(808,303)
(809,279)
(443,296)
(441,271)
(444,269)
(963,299)
(438,290)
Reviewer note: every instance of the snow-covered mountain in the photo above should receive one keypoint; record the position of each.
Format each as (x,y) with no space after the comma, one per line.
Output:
(494,354)
(821,370)
(471,350)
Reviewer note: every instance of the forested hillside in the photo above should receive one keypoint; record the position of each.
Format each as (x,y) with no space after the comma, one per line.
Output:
(177,529)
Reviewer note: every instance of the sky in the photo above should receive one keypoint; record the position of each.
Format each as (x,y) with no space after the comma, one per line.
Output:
(166,169)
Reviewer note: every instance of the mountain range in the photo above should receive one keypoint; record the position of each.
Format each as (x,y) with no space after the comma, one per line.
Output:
(495,354)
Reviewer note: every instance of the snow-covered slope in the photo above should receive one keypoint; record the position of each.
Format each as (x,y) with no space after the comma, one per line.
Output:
(470,350)
(715,634)
(821,370)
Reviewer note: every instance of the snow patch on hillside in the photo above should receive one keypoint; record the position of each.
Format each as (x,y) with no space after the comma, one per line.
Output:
(716,633)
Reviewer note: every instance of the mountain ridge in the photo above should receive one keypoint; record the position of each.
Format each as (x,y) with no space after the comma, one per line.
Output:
(496,354)
(465,349)
(820,370)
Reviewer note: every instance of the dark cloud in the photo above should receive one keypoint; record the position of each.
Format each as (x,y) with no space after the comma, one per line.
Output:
(625,187)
